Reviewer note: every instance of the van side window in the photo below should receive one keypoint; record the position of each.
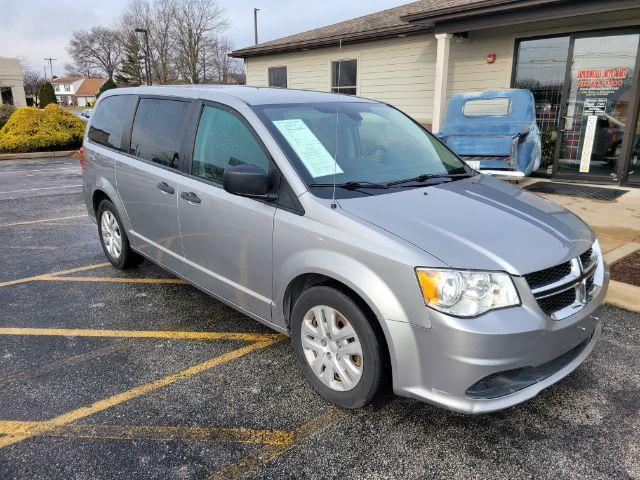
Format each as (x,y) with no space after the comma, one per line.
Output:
(223,141)
(112,114)
(158,130)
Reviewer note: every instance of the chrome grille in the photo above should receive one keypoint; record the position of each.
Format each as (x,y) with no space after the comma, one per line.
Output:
(556,302)
(548,275)
(564,289)
(586,258)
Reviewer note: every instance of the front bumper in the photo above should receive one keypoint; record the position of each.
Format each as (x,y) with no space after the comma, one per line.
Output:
(439,365)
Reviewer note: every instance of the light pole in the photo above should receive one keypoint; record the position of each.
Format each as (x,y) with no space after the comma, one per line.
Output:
(255,23)
(147,63)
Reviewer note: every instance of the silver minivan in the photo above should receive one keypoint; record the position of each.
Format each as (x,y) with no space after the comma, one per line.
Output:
(344,224)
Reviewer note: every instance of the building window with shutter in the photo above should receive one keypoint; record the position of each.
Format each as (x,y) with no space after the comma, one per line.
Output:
(278,77)
(343,76)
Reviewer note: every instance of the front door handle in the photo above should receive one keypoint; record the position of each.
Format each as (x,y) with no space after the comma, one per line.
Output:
(164,187)
(190,197)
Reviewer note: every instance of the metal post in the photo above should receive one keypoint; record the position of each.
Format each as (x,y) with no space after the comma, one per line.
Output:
(148,55)
(50,60)
(147,51)
(255,24)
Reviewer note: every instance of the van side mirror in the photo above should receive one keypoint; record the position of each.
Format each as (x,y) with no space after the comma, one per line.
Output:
(248,181)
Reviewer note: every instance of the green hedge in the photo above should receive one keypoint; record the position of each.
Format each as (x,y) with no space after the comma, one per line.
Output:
(31,129)
(47,96)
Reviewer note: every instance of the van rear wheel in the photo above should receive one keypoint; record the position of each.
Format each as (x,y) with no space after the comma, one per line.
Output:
(338,349)
(113,238)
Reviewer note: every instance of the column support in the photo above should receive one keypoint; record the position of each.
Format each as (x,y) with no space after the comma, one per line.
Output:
(442,73)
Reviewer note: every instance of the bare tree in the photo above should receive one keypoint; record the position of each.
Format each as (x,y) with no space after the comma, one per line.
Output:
(99,48)
(156,16)
(195,25)
(224,67)
(161,40)
(73,70)
(32,83)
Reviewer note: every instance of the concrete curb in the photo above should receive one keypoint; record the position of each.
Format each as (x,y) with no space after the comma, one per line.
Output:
(621,252)
(624,296)
(19,156)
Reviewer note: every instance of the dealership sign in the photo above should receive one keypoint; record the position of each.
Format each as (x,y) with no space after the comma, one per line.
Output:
(601,81)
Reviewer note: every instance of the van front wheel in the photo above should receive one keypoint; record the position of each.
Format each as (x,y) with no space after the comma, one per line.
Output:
(337,347)
(114,238)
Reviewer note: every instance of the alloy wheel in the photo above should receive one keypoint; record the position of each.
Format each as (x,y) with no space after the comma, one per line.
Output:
(111,235)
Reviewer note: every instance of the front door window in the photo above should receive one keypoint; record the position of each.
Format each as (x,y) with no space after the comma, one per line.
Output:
(598,104)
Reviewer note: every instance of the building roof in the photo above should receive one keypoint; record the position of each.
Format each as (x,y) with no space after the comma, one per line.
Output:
(65,79)
(385,23)
(90,87)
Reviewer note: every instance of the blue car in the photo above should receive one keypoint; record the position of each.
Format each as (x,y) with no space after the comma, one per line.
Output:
(494,131)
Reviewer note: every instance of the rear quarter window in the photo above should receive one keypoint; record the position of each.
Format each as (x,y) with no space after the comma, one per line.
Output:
(109,120)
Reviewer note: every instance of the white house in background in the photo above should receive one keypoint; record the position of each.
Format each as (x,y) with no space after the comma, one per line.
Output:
(88,90)
(11,82)
(65,88)
(77,91)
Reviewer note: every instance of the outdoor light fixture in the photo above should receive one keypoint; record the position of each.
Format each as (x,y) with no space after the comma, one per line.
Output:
(491,58)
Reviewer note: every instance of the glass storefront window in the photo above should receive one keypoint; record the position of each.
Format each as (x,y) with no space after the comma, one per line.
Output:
(634,161)
(598,103)
(541,68)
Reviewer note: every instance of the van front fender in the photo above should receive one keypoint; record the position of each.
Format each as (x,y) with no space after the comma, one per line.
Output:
(374,290)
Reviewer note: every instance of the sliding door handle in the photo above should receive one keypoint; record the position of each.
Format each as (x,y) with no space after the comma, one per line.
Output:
(164,187)
(190,197)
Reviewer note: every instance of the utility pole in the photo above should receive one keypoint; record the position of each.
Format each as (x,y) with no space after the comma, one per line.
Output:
(255,23)
(44,69)
(50,60)
(147,62)
(204,66)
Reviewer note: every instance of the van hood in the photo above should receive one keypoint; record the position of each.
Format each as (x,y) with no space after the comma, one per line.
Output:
(478,223)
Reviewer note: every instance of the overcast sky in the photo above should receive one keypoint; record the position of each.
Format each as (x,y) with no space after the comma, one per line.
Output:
(35,29)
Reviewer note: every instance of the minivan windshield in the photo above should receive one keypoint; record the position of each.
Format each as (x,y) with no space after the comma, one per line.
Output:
(375,145)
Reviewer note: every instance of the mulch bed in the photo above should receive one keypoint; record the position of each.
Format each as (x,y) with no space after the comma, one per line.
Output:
(627,270)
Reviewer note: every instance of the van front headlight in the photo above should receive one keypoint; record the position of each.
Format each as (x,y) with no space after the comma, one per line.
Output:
(466,293)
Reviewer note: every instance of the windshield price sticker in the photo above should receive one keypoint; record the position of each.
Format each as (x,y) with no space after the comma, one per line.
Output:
(316,159)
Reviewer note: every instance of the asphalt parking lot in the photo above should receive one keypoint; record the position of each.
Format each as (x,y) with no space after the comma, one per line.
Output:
(108,374)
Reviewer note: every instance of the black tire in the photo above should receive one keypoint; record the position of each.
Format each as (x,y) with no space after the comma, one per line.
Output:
(373,359)
(127,258)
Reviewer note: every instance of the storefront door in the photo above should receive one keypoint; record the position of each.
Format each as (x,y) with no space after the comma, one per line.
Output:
(596,106)
(585,86)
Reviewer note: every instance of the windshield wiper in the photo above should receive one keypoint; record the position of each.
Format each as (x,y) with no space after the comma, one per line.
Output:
(429,176)
(351,185)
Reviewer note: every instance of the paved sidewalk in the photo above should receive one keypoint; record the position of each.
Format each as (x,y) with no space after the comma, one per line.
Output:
(617,225)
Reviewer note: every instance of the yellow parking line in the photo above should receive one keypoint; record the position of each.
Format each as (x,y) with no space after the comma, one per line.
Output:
(158,433)
(166,334)
(40,428)
(63,272)
(44,220)
(52,278)
(258,458)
